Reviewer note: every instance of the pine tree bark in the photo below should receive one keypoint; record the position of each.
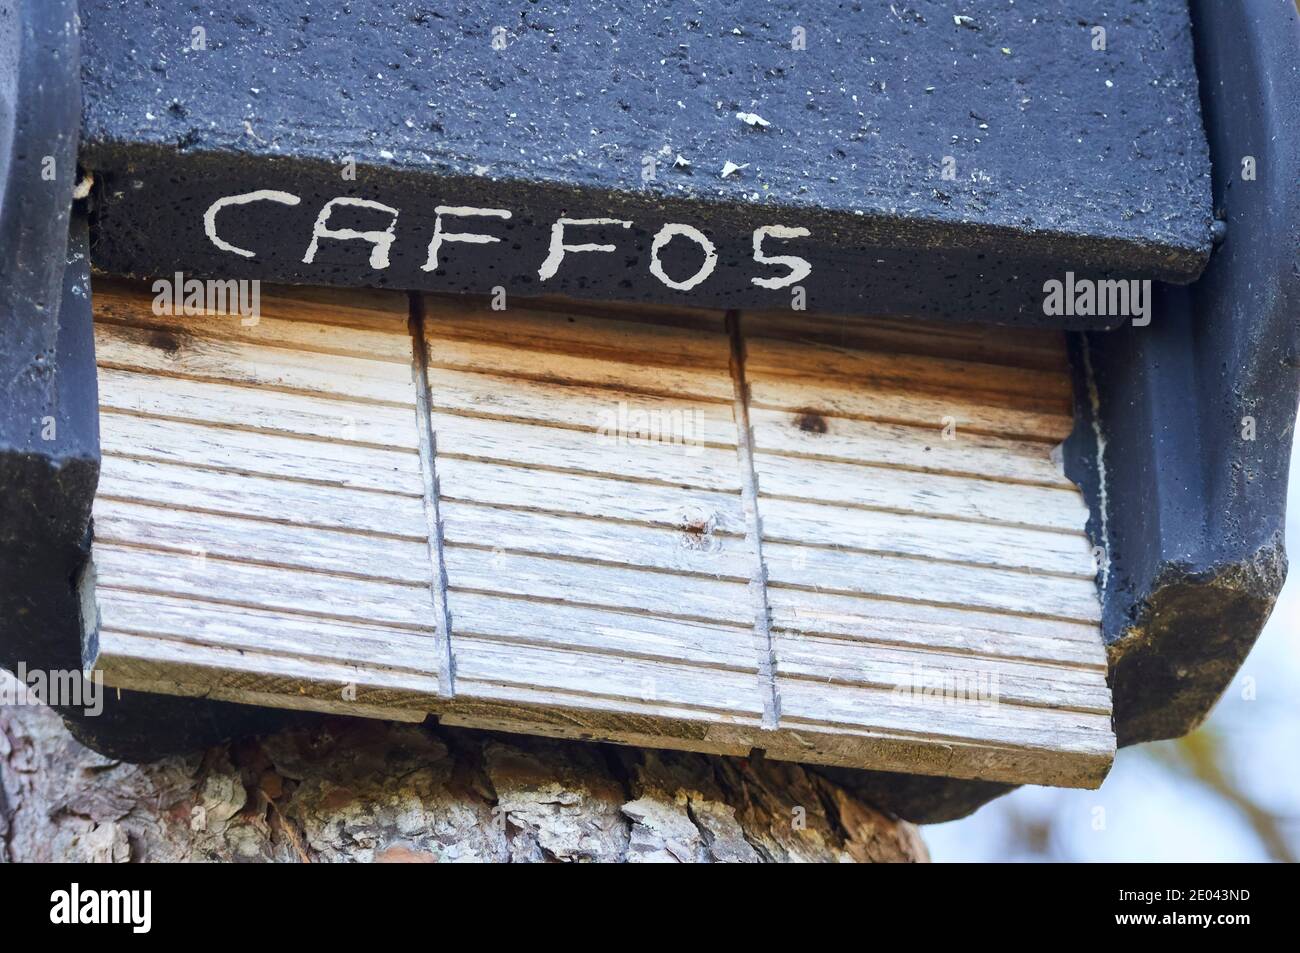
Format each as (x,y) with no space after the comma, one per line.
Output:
(357,790)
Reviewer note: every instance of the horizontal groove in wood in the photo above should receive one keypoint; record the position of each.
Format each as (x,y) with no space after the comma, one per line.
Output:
(831,396)
(577,451)
(922,494)
(475,481)
(605,676)
(869,616)
(692,550)
(641,339)
(684,316)
(549,367)
(275,326)
(277,500)
(841,661)
(173,354)
(919,580)
(952,379)
(584,715)
(886,710)
(941,540)
(1024,347)
(256,541)
(603,631)
(256,410)
(908,448)
(248,629)
(612,587)
(242,451)
(263,587)
(362,308)
(127,660)
(683,421)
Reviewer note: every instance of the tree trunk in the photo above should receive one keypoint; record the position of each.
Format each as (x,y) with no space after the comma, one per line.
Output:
(350,789)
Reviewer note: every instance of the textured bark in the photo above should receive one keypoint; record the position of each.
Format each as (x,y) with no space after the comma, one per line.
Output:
(372,791)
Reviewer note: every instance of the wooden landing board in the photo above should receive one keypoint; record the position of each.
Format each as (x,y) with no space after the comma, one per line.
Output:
(841,542)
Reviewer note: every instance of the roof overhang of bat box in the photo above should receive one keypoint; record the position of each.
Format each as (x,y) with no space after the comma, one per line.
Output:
(1120,172)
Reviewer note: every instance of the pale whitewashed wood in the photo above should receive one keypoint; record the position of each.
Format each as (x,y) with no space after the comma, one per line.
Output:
(909,448)
(257,409)
(231,582)
(509,620)
(845,662)
(698,552)
(806,702)
(573,582)
(252,365)
(899,560)
(318,664)
(289,501)
(244,628)
(531,446)
(274,527)
(945,628)
(576,637)
(257,541)
(603,676)
(294,458)
(946,540)
(476,481)
(925,494)
(925,580)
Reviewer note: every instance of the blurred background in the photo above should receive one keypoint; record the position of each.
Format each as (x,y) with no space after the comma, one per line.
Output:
(1230,791)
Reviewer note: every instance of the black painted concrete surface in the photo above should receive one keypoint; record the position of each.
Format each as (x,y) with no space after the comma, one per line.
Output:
(1061,155)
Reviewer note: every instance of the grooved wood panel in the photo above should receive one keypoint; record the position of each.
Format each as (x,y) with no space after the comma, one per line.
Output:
(839,541)
(928,575)
(260,529)
(626,520)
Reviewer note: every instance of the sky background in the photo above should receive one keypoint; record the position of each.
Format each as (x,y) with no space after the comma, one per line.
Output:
(1152,807)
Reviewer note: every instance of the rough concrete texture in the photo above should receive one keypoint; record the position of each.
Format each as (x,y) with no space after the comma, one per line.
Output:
(1069,139)
(354,790)
(1062,155)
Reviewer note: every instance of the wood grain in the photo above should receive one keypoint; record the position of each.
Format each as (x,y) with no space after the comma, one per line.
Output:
(259,526)
(886,568)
